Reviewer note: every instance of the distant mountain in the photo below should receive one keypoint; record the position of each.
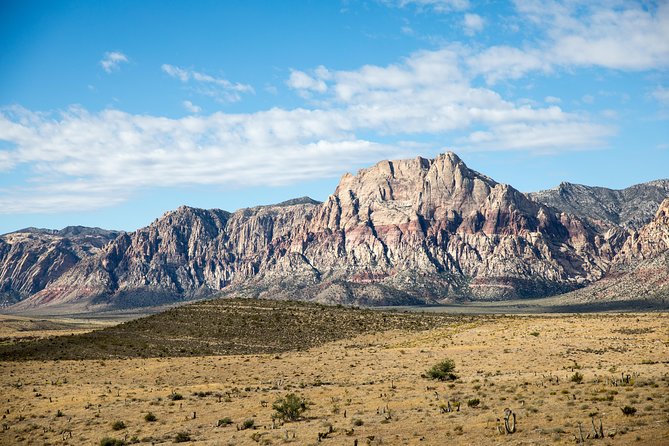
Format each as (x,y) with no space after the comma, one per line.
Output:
(400,232)
(630,208)
(640,271)
(31,258)
(301,200)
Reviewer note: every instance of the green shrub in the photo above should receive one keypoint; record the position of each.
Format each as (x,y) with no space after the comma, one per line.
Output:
(577,378)
(474,402)
(112,442)
(150,417)
(118,425)
(175,396)
(443,371)
(224,422)
(248,423)
(182,437)
(628,410)
(290,408)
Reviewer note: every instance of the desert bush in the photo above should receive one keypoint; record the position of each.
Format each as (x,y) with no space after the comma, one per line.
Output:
(182,437)
(224,421)
(290,408)
(358,422)
(150,417)
(443,371)
(248,423)
(628,410)
(576,378)
(118,425)
(474,402)
(175,396)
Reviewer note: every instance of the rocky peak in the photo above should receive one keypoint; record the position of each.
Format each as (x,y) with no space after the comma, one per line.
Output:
(649,241)
(33,258)
(629,208)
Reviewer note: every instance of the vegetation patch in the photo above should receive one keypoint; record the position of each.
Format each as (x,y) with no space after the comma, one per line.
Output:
(226,327)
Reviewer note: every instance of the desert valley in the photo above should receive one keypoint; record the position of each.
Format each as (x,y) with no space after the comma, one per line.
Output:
(342,222)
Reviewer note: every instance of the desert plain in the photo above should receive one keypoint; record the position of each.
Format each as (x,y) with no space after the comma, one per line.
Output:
(561,375)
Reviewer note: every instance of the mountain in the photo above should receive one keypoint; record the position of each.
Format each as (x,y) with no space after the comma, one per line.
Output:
(629,208)
(640,270)
(32,258)
(400,232)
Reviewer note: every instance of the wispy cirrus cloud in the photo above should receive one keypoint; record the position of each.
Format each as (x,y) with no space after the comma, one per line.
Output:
(217,88)
(112,60)
(441,6)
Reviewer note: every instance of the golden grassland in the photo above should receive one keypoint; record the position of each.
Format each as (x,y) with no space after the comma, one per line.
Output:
(368,388)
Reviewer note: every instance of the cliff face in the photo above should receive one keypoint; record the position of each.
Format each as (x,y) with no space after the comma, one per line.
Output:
(640,271)
(31,259)
(399,232)
(629,208)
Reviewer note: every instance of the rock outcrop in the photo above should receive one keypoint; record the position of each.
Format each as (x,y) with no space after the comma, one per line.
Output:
(408,231)
(640,270)
(629,208)
(31,259)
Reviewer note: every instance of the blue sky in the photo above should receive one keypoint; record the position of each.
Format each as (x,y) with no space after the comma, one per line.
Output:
(114,112)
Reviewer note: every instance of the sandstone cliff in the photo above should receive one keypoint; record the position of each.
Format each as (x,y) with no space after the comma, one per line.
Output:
(403,231)
(31,259)
(640,271)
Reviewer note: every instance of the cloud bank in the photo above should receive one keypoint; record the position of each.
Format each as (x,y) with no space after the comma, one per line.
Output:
(77,159)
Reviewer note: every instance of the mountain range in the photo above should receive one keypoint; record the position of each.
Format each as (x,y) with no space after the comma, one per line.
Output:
(415,231)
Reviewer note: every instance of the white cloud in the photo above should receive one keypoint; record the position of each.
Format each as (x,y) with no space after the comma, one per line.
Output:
(617,35)
(505,62)
(552,100)
(661,94)
(473,23)
(111,61)
(542,138)
(300,80)
(83,160)
(434,5)
(217,88)
(620,35)
(188,105)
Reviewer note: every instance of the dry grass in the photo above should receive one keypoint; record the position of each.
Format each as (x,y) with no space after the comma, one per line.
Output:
(367,387)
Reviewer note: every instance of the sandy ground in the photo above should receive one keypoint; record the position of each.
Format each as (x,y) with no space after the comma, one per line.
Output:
(14,326)
(368,389)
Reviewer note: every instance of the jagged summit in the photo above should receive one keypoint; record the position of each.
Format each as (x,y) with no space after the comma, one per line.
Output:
(630,208)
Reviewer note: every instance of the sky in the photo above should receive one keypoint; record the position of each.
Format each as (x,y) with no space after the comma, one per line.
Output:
(114,112)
